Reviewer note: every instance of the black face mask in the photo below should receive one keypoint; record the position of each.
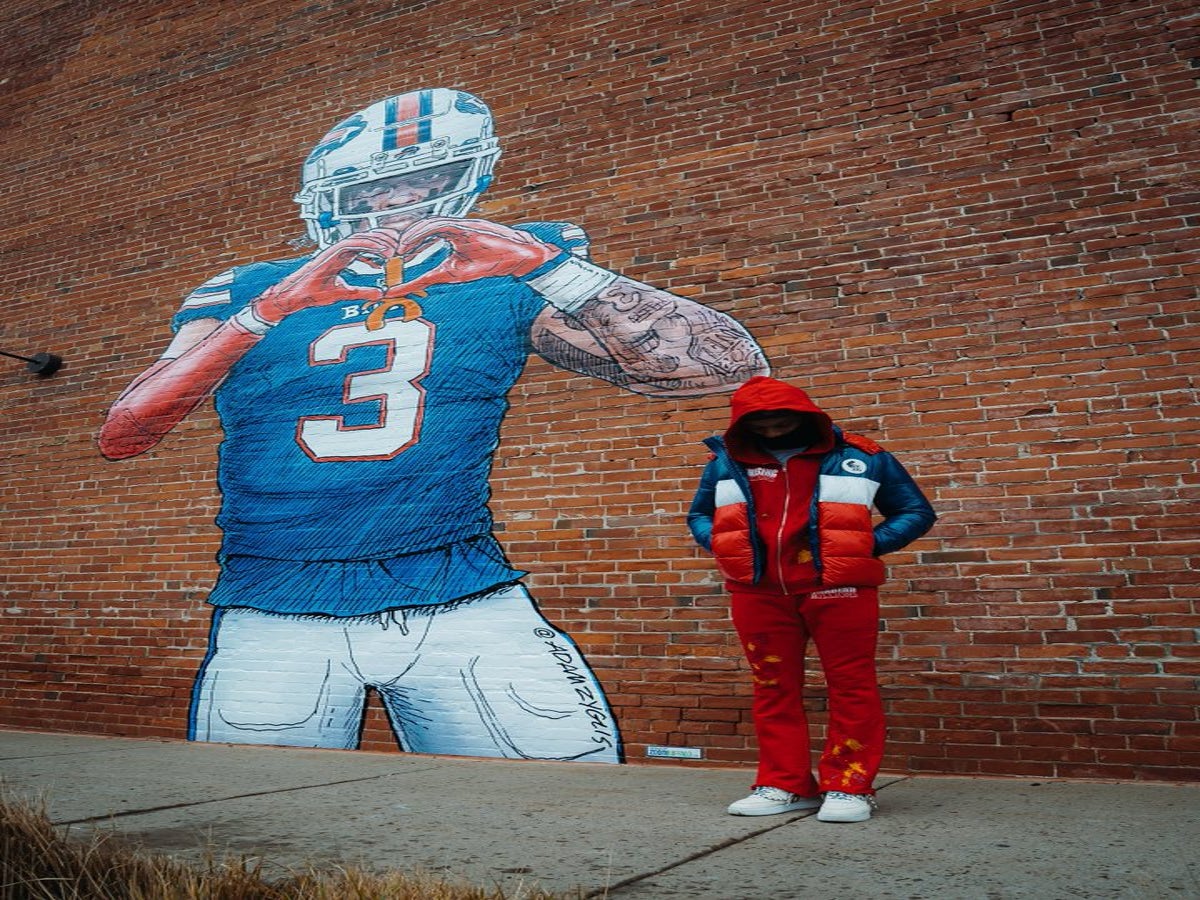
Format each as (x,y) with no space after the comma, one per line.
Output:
(801,436)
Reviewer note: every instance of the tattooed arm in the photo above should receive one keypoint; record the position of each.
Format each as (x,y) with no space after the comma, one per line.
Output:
(649,341)
(596,322)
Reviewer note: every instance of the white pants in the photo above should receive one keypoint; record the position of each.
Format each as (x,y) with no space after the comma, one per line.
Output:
(485,677)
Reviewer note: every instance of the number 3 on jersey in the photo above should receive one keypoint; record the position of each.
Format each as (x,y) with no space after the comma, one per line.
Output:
(395,388)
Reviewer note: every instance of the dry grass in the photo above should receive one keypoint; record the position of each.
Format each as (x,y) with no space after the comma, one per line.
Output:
(37,862)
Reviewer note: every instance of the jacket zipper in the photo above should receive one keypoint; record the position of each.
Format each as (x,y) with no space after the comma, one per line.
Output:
(787,499)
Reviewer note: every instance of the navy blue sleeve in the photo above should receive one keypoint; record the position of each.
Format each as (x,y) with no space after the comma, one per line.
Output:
(704,504)
(907,513)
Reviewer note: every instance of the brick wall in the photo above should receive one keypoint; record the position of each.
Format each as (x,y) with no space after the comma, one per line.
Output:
(969,229)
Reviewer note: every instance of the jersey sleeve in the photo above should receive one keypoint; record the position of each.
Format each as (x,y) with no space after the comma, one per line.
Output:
(228,293)
(528,302)
(567,235)
(212,300)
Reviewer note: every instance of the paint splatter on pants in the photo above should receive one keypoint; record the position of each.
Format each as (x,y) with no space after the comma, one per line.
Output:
(775,630)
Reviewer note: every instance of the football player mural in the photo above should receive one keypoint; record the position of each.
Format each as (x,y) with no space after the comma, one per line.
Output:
(361,391)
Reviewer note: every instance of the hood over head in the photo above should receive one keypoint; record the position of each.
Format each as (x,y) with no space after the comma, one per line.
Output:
(762,394)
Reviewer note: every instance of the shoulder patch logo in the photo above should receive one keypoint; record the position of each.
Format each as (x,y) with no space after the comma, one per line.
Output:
(854,466)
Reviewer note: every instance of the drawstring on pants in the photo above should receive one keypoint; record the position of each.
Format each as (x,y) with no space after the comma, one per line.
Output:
(395,617)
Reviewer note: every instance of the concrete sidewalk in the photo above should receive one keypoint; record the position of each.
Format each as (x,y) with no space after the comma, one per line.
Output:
(614,831)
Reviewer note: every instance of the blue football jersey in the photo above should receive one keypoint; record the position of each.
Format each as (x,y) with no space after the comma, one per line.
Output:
(368,451)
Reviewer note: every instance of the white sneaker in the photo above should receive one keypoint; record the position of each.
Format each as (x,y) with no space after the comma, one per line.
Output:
(768,801)
(839,807)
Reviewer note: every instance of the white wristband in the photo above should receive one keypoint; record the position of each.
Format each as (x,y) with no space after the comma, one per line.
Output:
(250,321)
(571,283)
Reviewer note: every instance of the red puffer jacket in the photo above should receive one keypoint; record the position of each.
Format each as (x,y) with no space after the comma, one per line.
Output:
(806,524)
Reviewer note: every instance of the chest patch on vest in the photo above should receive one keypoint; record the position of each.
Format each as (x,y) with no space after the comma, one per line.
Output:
(762,473)
(831,593)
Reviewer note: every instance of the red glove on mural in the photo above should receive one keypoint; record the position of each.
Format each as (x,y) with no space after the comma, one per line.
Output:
(318,282)
(478,249)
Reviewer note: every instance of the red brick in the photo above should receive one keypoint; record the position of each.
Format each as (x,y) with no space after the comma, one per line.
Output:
(988,266)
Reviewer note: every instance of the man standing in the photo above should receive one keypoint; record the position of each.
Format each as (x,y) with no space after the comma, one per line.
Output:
(785,507)
(361,390)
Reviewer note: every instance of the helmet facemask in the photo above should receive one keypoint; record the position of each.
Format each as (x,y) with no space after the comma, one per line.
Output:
(445,190)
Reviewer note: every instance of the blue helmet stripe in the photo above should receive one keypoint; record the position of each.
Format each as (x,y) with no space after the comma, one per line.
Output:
(425,122)
(392,117)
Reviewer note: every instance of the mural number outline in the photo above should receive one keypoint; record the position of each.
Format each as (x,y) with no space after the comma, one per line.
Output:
(395,387)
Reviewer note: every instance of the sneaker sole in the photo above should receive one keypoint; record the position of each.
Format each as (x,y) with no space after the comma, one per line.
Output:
(791,807)
(856,817)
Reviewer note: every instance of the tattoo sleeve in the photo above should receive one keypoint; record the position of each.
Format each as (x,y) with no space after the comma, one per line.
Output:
(653,342)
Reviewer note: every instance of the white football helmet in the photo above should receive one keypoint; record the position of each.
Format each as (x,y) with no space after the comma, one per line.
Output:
(429,151)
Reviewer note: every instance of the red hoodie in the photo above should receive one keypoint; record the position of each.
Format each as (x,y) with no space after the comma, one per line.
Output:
(783,491)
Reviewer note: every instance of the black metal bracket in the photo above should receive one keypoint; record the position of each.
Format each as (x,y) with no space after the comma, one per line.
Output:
(43,364)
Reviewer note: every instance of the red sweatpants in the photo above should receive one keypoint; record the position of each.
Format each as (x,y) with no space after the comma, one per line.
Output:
(774,630)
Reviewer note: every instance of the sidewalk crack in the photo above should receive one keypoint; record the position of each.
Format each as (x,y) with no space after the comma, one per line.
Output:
(123,814)
(611,889)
